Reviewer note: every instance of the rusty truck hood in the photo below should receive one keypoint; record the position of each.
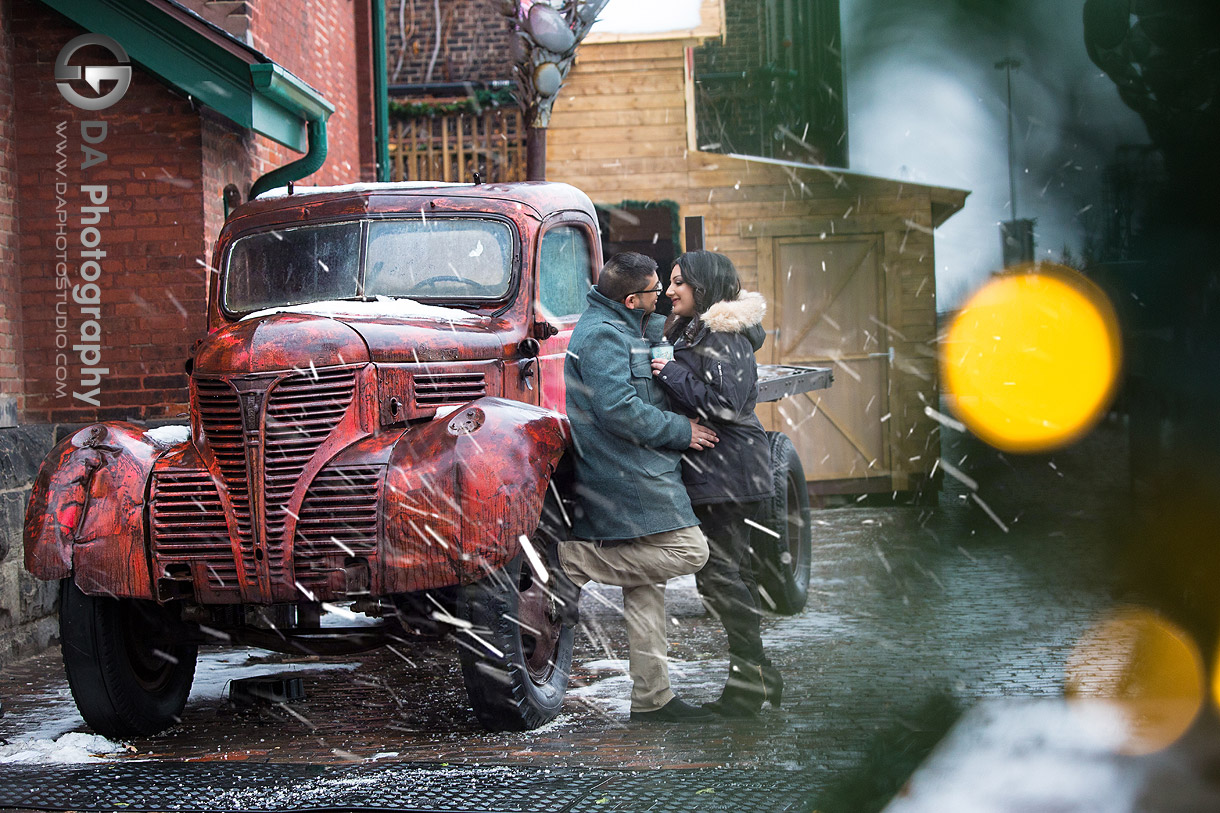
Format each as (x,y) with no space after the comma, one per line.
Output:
(283,341)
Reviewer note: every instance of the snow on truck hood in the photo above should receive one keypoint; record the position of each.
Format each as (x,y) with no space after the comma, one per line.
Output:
(382,306)
(381,186)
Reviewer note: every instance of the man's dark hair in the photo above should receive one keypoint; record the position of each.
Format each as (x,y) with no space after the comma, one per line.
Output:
(624,274)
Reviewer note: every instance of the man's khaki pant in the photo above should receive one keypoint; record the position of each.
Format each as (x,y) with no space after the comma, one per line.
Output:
(641,567)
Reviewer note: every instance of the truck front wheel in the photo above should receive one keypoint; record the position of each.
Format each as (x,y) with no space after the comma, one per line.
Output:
(517,653)
(130,673)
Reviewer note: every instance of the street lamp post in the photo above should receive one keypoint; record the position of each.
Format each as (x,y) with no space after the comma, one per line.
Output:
(1009,65)
(1016,235)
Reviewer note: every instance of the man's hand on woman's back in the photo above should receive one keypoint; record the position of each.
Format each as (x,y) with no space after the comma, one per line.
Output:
(700,436)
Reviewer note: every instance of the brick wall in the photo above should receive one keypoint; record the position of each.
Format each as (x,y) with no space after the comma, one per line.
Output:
(151,286)
(805,95)
(10,292)
(227,158)
(317,42)
(166,166)
(474,41)
(742,47)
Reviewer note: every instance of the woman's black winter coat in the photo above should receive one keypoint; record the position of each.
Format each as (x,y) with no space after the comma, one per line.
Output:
(714,377)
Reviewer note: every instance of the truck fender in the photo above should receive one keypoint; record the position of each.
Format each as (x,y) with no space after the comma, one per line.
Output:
(463,490)
(85,516)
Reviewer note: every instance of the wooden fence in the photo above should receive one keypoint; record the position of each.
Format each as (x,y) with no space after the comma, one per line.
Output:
(453,146)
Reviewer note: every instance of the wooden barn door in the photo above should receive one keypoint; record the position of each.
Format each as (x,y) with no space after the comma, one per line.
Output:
(829,299)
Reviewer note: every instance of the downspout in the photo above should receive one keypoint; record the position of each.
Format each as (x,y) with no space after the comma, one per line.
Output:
(297,97)
(381,113)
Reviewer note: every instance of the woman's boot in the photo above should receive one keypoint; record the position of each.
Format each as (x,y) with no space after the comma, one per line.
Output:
(748,687)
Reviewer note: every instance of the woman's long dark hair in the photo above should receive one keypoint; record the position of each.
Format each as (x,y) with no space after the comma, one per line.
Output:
(713,278)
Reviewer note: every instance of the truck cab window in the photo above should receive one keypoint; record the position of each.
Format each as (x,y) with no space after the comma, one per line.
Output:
(565,271)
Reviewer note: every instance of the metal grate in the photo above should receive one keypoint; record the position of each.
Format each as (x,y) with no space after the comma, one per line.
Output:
(188,526)
(444,389)
(338,519)
(149,786)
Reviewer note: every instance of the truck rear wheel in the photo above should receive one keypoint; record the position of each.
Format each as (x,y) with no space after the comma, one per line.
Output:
(517,654)
(129,673)
(782,558)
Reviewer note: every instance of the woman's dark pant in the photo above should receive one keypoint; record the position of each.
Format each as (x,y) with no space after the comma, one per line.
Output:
(720,581)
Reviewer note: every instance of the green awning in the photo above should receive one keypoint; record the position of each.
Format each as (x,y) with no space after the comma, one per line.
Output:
(206,63)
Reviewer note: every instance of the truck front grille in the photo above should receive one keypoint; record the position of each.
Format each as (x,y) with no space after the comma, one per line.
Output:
(338,521)
(444,389)
(188,527)
(302,409)
(220,415)
(302,412)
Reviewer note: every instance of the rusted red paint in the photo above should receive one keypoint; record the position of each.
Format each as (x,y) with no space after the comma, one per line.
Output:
(465,489)
(317,466)
(86,511)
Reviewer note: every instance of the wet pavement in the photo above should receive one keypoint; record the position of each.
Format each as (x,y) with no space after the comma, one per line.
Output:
(916,614)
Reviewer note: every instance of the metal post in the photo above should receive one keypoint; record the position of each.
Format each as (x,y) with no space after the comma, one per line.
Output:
(535,154)
(696,236)
(1009,64)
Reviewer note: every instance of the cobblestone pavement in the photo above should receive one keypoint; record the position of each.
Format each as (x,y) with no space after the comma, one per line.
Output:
(908,604)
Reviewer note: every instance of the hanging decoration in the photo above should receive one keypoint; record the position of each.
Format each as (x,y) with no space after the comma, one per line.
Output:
(545,37)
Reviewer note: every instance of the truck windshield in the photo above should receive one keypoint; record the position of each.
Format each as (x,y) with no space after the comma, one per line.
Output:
(455,260)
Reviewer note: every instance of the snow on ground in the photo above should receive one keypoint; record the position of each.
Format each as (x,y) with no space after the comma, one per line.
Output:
(70,748)
(694,681)
(217,669)
(1026,755)
(46,735)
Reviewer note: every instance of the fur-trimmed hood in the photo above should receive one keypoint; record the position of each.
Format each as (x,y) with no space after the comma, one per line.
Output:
(744,312)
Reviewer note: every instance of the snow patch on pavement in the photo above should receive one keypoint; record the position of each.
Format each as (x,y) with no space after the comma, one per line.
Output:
(45,735)
(217,669)
(71,748)
(693,681)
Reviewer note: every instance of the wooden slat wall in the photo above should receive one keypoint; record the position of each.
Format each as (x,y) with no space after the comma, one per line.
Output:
(451,147)
(619,132)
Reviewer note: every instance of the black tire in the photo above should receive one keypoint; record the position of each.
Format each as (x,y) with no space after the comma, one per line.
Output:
(129,671)
(781,563)
(521,685)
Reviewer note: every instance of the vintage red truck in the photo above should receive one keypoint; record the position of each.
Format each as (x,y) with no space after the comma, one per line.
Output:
(376,428)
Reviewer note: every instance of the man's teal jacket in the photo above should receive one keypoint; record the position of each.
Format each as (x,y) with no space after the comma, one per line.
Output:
(628,444)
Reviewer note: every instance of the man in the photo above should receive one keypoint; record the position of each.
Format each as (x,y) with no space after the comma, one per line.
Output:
(630,496)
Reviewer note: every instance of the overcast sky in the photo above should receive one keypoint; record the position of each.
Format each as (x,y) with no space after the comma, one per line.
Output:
(926,103)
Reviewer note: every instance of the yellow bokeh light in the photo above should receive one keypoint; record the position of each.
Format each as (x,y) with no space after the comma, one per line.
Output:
(1146,669)
(1031,360)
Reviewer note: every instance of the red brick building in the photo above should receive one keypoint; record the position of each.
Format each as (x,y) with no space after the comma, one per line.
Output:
(108,215)
(159,162)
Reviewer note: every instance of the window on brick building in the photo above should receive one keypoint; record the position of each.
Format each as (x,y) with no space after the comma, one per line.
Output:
(773,87)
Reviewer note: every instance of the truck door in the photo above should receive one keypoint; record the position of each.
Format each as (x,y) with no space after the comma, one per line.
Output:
(565,272)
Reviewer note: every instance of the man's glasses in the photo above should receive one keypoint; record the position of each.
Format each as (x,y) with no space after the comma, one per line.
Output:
(657,290)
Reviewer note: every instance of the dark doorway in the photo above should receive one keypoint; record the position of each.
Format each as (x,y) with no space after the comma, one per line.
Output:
(650,228)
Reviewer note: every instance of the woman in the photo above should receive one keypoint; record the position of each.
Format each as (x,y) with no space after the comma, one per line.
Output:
(715,329)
